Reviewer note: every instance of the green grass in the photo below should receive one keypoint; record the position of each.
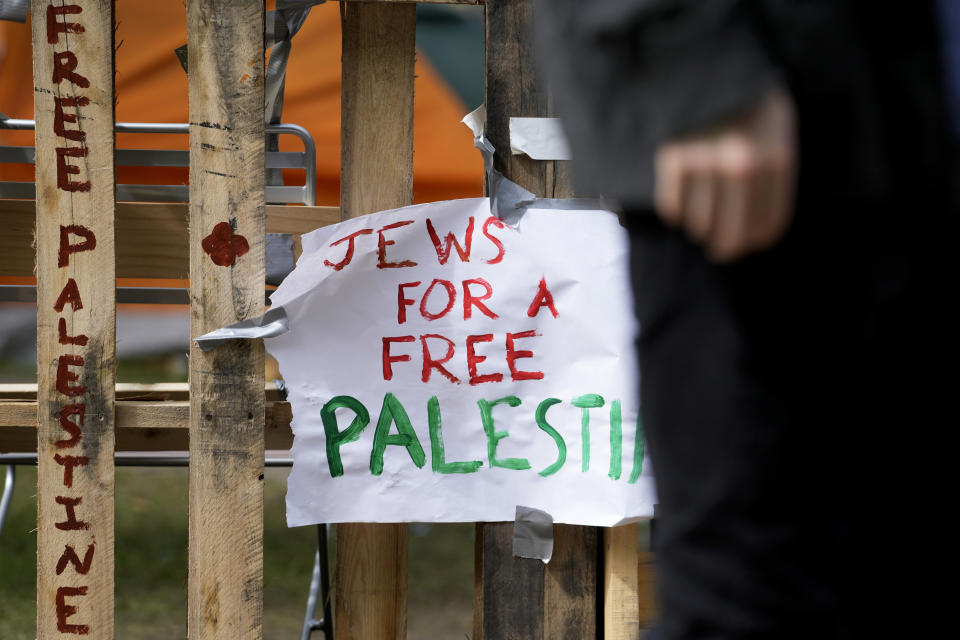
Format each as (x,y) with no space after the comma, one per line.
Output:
(151,550)
(151,563)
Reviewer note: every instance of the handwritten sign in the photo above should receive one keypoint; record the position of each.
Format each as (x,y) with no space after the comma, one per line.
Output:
(73,78)
(443,366)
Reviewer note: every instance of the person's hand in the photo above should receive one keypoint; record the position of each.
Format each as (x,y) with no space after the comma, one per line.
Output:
(731,188)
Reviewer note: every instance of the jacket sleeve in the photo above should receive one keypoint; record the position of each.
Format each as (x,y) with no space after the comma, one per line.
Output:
(629,74)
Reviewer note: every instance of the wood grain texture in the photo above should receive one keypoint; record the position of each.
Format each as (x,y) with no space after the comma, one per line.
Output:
(522,598)
(129,391)
(514,89)
(512,589)
(621,614)
(140,426)
(376,119)
(225,585)
(17,256)
(648,607)
(370,586)
(566,605)
(152,238)
(570,584)
(76,334)
(370,581)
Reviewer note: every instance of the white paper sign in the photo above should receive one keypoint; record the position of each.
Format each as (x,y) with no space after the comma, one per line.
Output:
(445,367)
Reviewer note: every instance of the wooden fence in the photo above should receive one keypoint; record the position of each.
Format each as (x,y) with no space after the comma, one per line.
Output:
(597,584)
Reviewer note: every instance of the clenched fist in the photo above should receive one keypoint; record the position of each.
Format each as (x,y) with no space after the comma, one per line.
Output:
(731,188)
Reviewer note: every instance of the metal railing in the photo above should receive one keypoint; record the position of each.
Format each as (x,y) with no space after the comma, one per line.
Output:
(275,194)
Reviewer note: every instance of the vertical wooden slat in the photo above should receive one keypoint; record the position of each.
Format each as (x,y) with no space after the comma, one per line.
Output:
(621,615)
(376,173)
(513,88)
(511,589)
(648,607)
(568,584)
(73,101)
(227,215)
(376,115)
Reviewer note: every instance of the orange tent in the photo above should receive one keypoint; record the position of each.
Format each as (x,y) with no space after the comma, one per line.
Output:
(151,87)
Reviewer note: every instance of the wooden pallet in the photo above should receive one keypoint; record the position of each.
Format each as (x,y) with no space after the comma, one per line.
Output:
(597,584)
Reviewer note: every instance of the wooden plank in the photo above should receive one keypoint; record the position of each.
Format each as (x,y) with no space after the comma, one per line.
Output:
(370,583)
(16,242)
(532,599)
(129,391)
(376,120)
(140,426)
(648,607)
(227,225)
(152,239)
(621,595)
(76,328)
(299,220)
(513,89)
(511,595)
(568,583)
(376,173)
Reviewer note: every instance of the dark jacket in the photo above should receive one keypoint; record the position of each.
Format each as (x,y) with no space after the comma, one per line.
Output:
(629,74)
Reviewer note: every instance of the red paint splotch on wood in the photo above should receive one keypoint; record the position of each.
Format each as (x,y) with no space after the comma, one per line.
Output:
(224,246)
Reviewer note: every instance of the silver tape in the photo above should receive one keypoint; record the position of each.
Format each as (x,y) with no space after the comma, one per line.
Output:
(539,138)
(279,250)
(533,534)
(271,324)
(508,200)
(14,10)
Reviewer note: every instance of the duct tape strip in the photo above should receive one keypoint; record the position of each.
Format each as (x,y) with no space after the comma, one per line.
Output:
(539,138)
(279,27)
(280,262)
(508,200)
(271,324)
(14,10)
(533,534)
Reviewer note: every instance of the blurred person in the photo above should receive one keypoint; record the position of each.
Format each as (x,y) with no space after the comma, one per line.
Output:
(784,169)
